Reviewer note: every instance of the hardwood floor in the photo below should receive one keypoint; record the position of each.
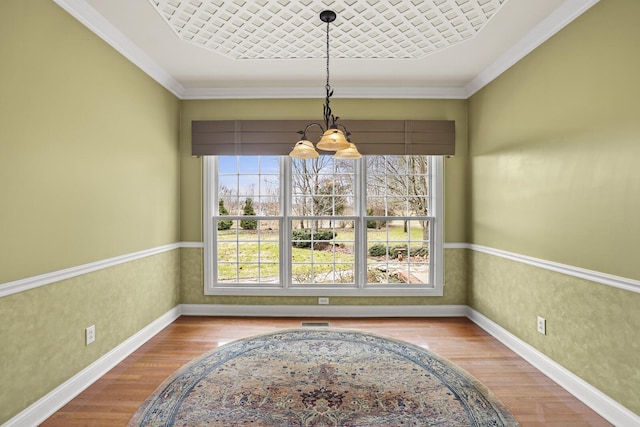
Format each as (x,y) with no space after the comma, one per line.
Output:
(531,397)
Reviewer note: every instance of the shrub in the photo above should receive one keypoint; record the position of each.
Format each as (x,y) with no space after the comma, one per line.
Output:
(248,224)
(223,224)
(301,238)
(378,250)
(371,223)
(393,251)
(422,251)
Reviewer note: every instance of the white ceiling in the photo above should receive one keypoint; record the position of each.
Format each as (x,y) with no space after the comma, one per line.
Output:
(203,49)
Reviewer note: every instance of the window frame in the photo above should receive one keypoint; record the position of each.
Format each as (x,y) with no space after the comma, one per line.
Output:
(360,287)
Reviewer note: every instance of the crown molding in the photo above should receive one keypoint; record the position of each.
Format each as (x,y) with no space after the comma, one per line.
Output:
(97,23)
(557,20)
(369,92)
(93,20)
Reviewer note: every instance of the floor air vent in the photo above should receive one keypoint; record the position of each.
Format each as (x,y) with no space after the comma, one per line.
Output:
(317,324)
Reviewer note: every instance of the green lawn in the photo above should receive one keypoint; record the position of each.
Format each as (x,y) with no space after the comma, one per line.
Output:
(242,257)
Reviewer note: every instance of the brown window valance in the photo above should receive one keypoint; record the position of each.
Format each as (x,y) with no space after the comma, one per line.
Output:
(277,137)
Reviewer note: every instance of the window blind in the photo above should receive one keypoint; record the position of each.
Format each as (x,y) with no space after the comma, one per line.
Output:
(277,137)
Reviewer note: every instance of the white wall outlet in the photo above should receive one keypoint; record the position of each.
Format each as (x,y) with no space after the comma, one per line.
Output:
(323,301)
(90,334)
(542,325)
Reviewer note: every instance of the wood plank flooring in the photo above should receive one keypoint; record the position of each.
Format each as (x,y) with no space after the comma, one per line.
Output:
(531,397)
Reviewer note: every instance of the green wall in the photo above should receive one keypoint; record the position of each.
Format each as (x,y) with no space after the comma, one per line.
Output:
(89,156)
(95,163)
(89,170)
(371,109)
(553,170)
(554,147)
(42,342)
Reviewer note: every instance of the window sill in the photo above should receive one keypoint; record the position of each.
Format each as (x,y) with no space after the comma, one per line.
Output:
(327,290)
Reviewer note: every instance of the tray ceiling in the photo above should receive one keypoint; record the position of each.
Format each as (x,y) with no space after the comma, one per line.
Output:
(276,48)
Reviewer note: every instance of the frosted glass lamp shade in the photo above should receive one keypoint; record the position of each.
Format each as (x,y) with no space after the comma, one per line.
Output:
(333,140)
(303,150)
(350,153)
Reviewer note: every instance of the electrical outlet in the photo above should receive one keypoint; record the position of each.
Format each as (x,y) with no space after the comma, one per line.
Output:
(542,325)
(90,334)
(323,301)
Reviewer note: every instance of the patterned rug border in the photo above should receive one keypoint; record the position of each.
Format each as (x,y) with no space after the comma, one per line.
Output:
(501,410)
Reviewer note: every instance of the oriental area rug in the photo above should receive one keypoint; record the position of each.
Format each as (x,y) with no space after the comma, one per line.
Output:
(321,377)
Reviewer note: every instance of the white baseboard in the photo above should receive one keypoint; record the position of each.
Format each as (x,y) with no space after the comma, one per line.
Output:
(592,397)
(61,395)
(324,310)
(608,408)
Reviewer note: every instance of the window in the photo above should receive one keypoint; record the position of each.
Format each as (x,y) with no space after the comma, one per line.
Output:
(281,226)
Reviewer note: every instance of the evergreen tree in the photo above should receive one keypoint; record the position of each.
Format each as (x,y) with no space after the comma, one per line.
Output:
(248,224)
(223,224)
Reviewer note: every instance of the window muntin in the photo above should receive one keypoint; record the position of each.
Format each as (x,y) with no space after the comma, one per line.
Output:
(246,226)
(398,206)
(396,257)
(355,204)
(322,230)
(248,257)
(322,187)
(398,185)
(323,253)
(255,178)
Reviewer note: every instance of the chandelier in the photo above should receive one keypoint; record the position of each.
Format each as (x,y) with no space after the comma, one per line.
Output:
(335,136)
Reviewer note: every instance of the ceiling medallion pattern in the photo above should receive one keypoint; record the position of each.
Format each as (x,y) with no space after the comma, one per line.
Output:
(287,29)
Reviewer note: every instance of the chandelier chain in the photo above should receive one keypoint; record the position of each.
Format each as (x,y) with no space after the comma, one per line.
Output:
(328,86)
(329,119)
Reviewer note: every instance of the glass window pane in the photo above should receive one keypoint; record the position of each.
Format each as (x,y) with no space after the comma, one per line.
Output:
(323,253)
(398,185)
(227,272)
(322,187)
(248,185)
(227,165)
(249,272)
(227,185)
(270,165)
(248,164)
(301,273)
(227,251)
(227,230)
(398,252)
(269,252)
(269,272)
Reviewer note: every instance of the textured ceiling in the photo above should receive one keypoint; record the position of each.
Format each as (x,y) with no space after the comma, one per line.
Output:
(275,29)
(202,49)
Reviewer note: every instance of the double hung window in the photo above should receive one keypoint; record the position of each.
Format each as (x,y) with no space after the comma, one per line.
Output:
(280,226)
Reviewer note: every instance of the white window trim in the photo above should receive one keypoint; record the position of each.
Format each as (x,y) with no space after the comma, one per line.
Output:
(285,288)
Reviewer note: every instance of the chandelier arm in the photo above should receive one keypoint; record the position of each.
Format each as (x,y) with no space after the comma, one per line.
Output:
(343,127)
(306,128)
